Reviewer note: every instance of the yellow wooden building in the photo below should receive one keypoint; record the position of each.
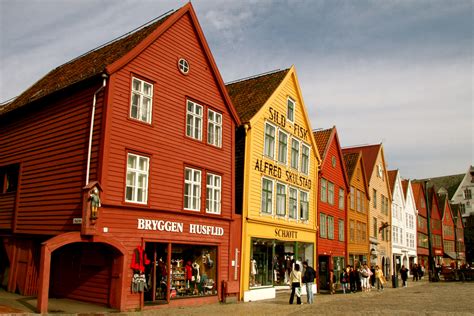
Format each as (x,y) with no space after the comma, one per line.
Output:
(277,165)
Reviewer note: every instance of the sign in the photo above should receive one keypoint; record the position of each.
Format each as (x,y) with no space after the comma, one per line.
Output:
(178,227)
(280,119)
(285,233)
(275,171)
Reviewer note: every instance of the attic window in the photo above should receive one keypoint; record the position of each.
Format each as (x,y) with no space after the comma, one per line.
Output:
(183,66)
(333,161)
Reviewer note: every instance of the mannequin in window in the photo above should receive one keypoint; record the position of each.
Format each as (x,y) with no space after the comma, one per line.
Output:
(253,271)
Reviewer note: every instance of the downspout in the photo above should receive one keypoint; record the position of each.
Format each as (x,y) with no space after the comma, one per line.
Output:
(104,76)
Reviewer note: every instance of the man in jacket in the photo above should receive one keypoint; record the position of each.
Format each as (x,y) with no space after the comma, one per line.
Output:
(308,279)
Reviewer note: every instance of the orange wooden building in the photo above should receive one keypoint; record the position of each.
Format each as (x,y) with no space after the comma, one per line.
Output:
(120,175)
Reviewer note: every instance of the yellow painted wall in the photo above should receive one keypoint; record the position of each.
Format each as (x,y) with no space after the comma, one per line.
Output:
(357,181)
(263,225)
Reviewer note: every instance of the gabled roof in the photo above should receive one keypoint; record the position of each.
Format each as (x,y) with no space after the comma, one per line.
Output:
(392,177)
(113,56)
(405,188)
(370,153)
(350,160)
(450,183)
(249,95)
(322,140)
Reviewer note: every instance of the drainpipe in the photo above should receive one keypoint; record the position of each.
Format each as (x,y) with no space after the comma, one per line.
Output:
(104,76)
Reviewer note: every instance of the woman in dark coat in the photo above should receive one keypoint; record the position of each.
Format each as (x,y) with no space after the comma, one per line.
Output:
(404,275)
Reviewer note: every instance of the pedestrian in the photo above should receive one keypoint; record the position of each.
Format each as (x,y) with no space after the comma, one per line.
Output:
(404,275)
(364,278)
(345,280)
(352,279)
(372,277)
(308,279)
(295,279)
(332,282)
(380,280)
(414,272)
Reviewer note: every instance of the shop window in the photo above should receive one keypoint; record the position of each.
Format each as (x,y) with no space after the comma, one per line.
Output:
(281,200)
(305,152)
(214,128)
(295,153)
(142,99)
(290,113)
(282,147)
(9,178)
(137,179)
(267,196)
(293,203)
(269,144)
(304,206)
(192,189)
(194,120)
(213,198)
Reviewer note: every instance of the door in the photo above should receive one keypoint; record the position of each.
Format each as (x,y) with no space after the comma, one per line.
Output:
(323,272)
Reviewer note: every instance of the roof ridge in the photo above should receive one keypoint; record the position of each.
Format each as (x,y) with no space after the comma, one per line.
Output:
(255,76)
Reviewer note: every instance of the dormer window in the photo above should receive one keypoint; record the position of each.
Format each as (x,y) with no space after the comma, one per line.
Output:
(142,100)
(290,112)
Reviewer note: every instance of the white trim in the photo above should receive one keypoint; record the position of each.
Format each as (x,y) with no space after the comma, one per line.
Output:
(141,97)
(192,185)
(303,144)
(197,119)
(135,171)
(216,129)
(291,153)
(273,196)
(210,209)
(294,109)
(274,140)
(287,146)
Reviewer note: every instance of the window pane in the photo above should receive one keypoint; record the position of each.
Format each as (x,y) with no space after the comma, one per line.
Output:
(282,147)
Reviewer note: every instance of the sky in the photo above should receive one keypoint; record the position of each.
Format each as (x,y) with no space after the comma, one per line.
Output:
(394,72)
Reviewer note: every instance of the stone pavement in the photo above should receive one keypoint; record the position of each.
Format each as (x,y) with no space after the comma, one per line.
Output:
(419,298)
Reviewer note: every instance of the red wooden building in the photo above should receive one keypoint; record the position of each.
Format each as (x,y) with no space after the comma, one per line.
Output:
(332,207)
(118,175)
(453,234)
(422,224)
(436,227)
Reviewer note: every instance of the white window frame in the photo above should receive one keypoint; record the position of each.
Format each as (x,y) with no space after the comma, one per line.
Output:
(293,164)
(341,230)
(352,197)
(193,199)
(341,198)
(290,109)
(324,190)
(194,120)
(135,172)
(282,157)
(264,210)
(305,159)
(304,205)
(293,198)
(268,142)
(330,220)
(143,113)
(331,192)
(214,128)
(213,193)
(279,204)
(323,225)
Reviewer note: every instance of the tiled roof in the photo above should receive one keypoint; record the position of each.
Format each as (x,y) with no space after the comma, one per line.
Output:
(405,188)
(83,67)
(450,183)
(249,95)
(392,176)
(350,159)
(322,140)
(370,153)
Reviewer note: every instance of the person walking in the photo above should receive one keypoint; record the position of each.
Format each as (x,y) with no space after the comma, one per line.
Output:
(308,279)
(404,275)
(364,278)
(380,280)
(345,280)
(414,271)
(352,279)
(295,279)
(332,282)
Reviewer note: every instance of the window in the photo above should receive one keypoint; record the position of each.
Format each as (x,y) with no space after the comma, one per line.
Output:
(341,230)
(304,206)
(290,113)
(467,194)
(330,220)
(363,201)
(333,161)
(269,145)
(352,198)
(341,199)
(364,232)
(358,231)
(304,159)
(267,196)
(137,179)
(295,153)
(183,66)
(324,189)
(352,230)
(322,225)
(375,233)
(395,234)
(192,189)
(9,178)
(282,147)
(281,200)
(194,120)
(383,203)
(331,193)
(141,103)
(359,202)
(293,203)
(374,198)
(214,128)
(213,200)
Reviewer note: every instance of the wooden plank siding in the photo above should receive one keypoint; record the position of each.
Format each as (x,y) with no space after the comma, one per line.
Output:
(7,206)
(50,142)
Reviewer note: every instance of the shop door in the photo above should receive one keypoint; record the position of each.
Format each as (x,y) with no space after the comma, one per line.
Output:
(156,273)
(323,271)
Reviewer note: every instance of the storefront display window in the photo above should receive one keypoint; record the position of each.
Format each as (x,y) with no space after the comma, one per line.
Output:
(271,260)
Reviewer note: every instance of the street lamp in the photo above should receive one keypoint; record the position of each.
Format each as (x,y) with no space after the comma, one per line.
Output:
(432,273)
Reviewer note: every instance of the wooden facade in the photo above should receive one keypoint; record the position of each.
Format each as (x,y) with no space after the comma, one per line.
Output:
(49,220)
(436,227)
(333,189)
